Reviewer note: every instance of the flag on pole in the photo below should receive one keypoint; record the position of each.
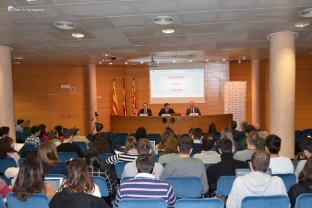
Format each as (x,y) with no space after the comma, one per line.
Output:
(124,102)
(134,110)
(115,102)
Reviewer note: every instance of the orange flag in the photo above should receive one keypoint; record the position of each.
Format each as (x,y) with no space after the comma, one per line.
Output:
(134,109)
(124,102)
(115,102)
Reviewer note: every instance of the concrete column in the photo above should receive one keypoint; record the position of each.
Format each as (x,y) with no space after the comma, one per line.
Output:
(92,94)
(6,91)
(255,92)
(282,89)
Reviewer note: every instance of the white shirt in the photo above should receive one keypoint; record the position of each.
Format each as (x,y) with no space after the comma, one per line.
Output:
(281,165)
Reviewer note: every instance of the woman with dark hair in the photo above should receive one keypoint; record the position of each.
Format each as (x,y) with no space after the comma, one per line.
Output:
(94,163)
(7,150)
(140,133)
(5,131)
(54,136)
(48,155)
(43,134)
(30,180)
(304,184)
(167,134)
(59,129)
(102,144)
(171,151)
(130,152)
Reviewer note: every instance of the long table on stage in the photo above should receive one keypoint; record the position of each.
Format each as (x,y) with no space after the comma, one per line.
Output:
(157,124)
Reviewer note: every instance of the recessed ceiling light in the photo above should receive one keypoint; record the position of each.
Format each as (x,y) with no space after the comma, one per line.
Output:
(142,62)
(126,62)
(18,58)
(16,62)
(301,24)
(190,60)
(78,35)
(64,25)
(223,59)
(306,13)
(173,61)
(100,62)
(110,63)
(31,0)
(168,31)
(163,20)
(207,60)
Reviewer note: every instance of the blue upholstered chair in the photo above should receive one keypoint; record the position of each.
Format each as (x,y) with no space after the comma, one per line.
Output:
(276,201)
(55,175)
(89,138)
(64,156)
(111,135)
(82,145)
(119,167)
(224,185)
(101,182)
(6,163)
(199,203)
(104,156)
(185,186)
(121,134)
(142,203)
(289,179)
(207,165)
(154,137)
(34,201)
(2,205)
(90,144)
(125,179)
(304,200)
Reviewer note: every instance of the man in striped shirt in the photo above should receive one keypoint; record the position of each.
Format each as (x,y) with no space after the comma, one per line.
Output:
(144,185)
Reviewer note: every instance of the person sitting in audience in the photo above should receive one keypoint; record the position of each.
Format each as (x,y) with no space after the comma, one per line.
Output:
(304,185)
(208,153)
(19,125)
(226,133)
(144,147)
(102,144)
(77,137)
(43,134)
(7,150)
(5,131)
(171,151)
(233,125)
(186,165)
(99,127)
(140,133)
(252,141)
(226,167)
(53,136)
(262,134)
(34,139)
(197,135)
(305,145)
(79,189)
(4,189)
(240,134)
(213,130)
(243,143)
(68,146)
(59,129)
(278,164)
(94,163)
(130,152)
(48,155)
(256,183)
(167,134)
(26,127)
(30,180)
(145,185)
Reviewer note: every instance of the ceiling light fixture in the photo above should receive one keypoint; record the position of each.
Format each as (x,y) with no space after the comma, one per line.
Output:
(306,13)
(301,24)
(110,63)
(163,20)
(207,60)
(100,62)
(31,0)
(126,62)
(78,35)
(173,61)
(64,25)
(18,58)
(244,58)
(168,31)
(16,62)
(239,61)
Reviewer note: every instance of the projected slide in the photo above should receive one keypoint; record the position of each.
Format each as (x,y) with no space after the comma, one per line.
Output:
(177,85)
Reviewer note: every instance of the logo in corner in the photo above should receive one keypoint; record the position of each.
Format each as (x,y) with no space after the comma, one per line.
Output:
(10,8)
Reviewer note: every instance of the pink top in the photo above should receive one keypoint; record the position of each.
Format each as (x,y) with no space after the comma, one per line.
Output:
(4,189)
(15,156)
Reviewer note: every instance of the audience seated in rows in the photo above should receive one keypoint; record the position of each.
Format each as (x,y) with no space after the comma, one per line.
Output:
(171,151)
(145,185)
(243,143)
(144,147)
(252,141)
(208,153)
(256,183)
(77,137)
(7,150)
(47,154)
(19,125)
(226,167)
(34,139)
(197,135)
(102,144)
(68,146)
(130,152)
(304,184)
(278,164)
(167,134)
(306,147)
(185,165)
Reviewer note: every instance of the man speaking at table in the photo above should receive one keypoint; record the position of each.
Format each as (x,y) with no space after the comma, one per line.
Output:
(192,109)
(145,110)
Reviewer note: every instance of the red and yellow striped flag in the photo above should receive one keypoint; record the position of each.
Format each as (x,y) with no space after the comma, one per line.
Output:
(134,109)
(115,102)
(124,102)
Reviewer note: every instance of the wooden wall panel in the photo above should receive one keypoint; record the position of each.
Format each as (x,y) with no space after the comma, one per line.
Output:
(264,95)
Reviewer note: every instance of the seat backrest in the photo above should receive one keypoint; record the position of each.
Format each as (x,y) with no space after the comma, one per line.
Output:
(207,165)
(35,201)
(101,182)
(104,156)
(111,135)
(2,205)
(288,179)
(90,144)
(82,145)
(119,167)
(303,200)
(199,203)
(125,179)
(142,203)
(121,134)
(64,156)
(21,136)
(55,175)
(6,163)
(276,201)
(182,188)
(224,185)
(20,161)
